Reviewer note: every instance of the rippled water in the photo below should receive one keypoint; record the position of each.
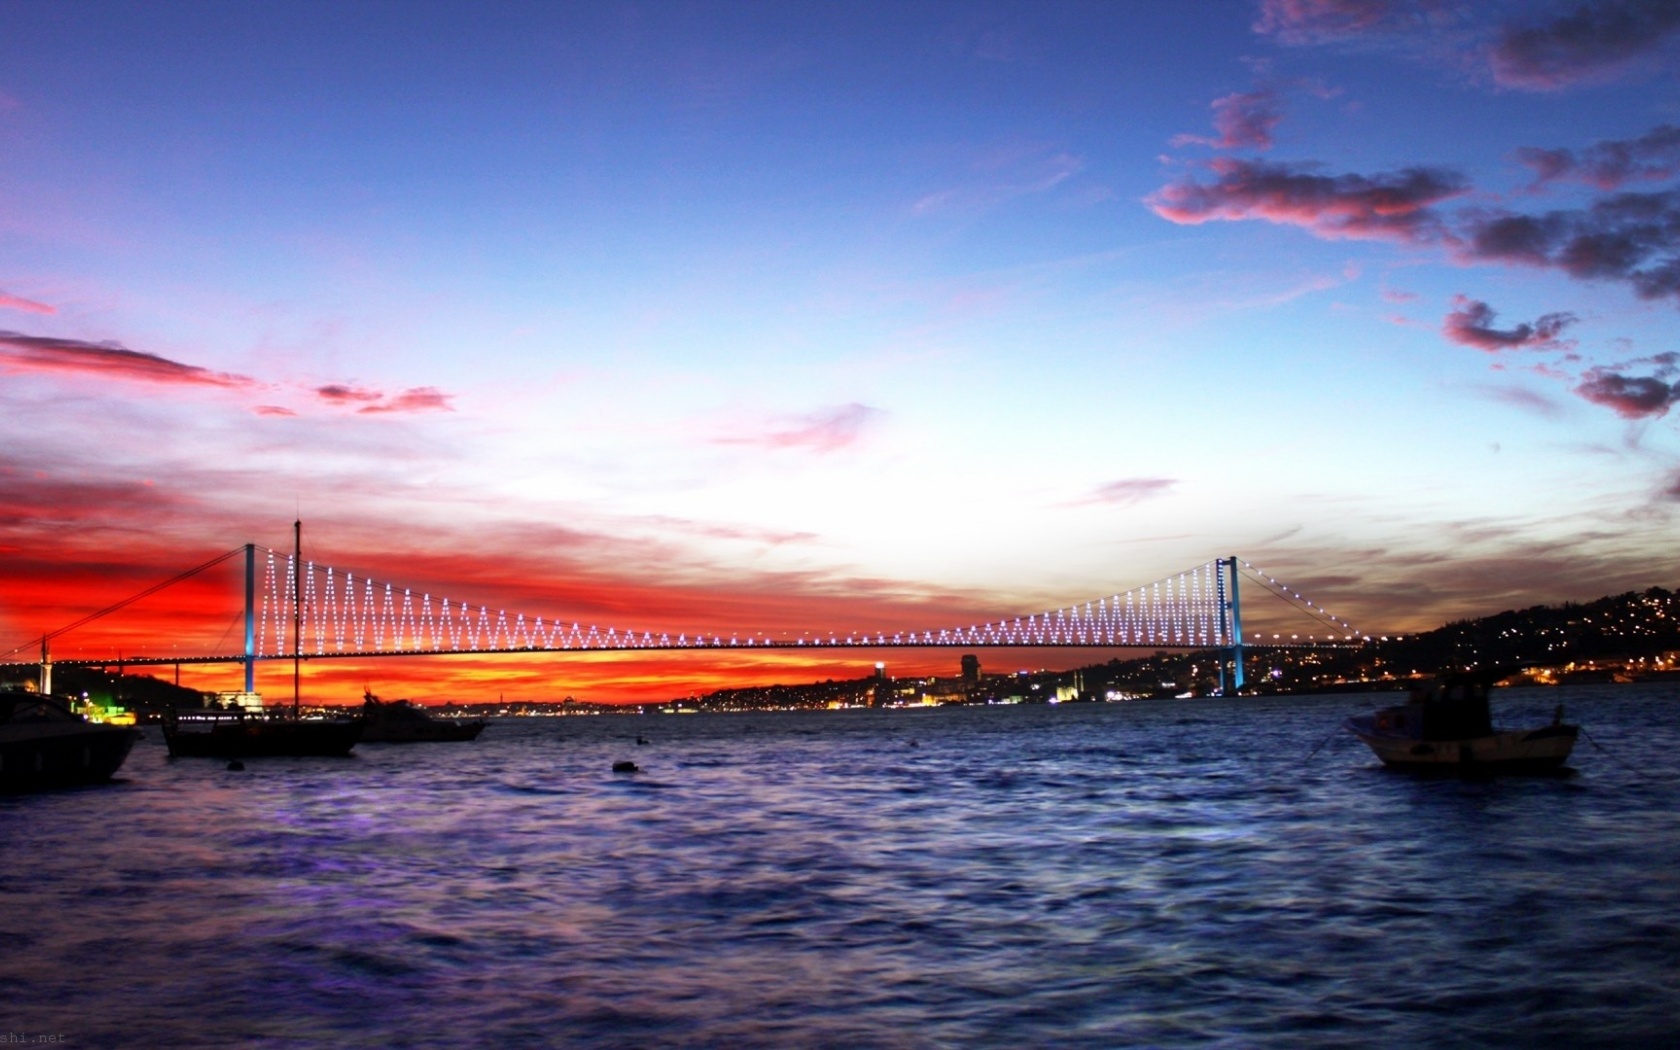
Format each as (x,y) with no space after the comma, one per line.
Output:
(1160,873)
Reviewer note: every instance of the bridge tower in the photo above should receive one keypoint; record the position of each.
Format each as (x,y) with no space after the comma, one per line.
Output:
(250,618)
(1230,608)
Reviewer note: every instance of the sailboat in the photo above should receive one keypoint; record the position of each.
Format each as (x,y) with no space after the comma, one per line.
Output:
(242,734)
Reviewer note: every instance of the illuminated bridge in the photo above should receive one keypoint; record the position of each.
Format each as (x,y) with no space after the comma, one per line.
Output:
(302,610)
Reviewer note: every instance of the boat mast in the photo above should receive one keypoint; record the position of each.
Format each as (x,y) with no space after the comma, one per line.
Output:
(297,608)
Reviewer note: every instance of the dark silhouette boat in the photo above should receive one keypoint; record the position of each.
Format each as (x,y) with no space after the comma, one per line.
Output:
(217,733)
(45,744)
(406,722)
(1446,726)
(211,733)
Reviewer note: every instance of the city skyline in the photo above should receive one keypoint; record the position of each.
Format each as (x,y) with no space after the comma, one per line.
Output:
(811,316)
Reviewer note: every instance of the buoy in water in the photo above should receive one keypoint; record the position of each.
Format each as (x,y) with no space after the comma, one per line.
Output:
(641,740)
(624,767)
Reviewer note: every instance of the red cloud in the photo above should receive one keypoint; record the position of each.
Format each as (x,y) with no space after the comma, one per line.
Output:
(1597,39)
(1244,120)
(1631,397)
(826,431)
(1394,206)
(414,399)
(1472,325)
(12,302)
(107,360)
(1611,164)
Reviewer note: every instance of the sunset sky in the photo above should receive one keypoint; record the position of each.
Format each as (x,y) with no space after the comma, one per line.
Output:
(786,316)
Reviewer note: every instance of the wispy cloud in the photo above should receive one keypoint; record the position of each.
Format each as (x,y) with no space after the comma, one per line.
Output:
(1128,491)
(827,430)
(28,306)
(34,353)
(1472,324)
(1609,164)
(1631,397)
(1320,21)
(1244,120)
(414,399)
(375,402)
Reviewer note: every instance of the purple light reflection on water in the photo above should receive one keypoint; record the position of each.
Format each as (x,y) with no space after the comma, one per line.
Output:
(1151,873)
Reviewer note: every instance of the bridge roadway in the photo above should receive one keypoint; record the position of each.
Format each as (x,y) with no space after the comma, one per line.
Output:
(784,645)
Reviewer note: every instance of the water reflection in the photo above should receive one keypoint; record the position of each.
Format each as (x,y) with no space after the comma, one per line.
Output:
(1146,873)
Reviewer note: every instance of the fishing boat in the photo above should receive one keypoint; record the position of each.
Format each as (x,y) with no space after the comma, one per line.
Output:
(406,722)
(215,733)
(1447,726)
(45,744)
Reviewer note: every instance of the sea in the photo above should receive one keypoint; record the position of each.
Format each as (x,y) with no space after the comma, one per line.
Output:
(1210,872)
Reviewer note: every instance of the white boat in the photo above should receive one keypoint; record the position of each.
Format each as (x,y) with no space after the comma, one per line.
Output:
(1446,726)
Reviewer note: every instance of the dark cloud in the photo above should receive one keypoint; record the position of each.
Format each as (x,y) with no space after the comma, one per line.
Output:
(338,394)
(1631,237)
(1390,206)
(1610,164)
(36,353)
(1631,397)
(1471,324)
(1591,42)
(826,431)
(1244,120)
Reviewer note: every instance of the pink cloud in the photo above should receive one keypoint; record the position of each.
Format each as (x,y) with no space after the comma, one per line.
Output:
(1593,42)
(1610,164)
(107,360)
(826,431)
(374,402)
(1318,21)
(1394,206)
(1244,120)
(273,410)
(414,399)
(12,302)
(1471,324)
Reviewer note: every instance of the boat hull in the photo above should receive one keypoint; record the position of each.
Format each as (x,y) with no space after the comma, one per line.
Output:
(1521,750)
(53,755)
(260,738)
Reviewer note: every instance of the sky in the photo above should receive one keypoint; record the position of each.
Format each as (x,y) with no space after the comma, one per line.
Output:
(771,317)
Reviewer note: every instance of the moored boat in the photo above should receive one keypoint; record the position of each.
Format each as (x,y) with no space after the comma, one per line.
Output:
(44,744)
(237,734)
(1447,725)
(405,722)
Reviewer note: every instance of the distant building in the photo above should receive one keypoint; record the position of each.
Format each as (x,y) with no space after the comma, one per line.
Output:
(970,669)
(883,687)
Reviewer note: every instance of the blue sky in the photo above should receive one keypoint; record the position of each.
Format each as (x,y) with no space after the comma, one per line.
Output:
(909,314)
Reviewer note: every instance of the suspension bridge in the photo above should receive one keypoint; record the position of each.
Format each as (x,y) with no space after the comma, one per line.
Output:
(295,609)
